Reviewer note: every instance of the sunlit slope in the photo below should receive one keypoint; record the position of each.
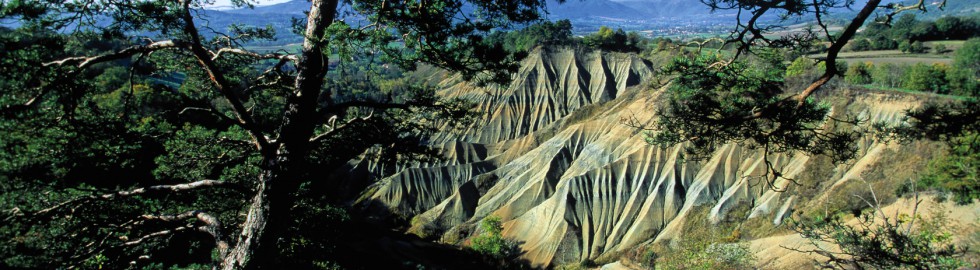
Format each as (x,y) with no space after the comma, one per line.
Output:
(553,159)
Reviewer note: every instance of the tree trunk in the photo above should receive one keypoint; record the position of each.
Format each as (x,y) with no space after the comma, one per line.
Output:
(285,167)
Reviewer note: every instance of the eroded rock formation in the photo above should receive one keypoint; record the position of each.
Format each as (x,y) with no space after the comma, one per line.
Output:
(553,160)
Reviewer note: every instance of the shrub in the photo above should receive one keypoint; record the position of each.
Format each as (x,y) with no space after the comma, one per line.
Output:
(964,75)
(702,255)
(617,40)
(924,77)
(884,43)
(800,66)
(918,47)
(904,46)
(704,245)
(491,242)
(860,44)
(956,173)
(859,73)
(887,75)
(878,241)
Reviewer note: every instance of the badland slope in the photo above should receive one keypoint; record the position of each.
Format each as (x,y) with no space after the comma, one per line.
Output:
(552,158)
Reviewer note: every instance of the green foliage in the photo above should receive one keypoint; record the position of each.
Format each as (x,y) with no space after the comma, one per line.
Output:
(491,242)
(905,46)
(545,33)
(964,76)
(907,29)
(438,30)
(936,78)
(806,69)
(78,137)
(704,245)
(318,228)
(917,47)
(878,241)
(858,73)
(617,40)
(928,78)
(956,173)
(690,254)
(883,43)
(957,124)
(860,44)
(887,75)
(713,104)
(800,66)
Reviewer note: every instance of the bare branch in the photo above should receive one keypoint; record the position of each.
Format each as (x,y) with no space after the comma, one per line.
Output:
(140,240)
(211,226)
(834,50)
(122,194)
(203,57)
(252,54)
(85,61)
(14,108)
(899,8)
(335,129)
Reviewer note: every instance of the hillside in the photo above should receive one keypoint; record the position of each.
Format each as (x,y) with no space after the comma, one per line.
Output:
(552,159)
(671,8)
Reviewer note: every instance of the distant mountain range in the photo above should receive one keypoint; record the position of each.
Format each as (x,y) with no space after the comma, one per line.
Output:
(577,9)
(617,9)
(292,7)
(571,9)
(675,18)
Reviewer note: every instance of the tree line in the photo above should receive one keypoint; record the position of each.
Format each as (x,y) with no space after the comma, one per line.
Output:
(908,34)
(559,34)
(959,78)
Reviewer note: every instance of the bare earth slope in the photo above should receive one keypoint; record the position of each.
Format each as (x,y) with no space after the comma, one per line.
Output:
(553,161)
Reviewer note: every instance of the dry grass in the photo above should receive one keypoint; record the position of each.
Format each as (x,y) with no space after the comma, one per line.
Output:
(902,60)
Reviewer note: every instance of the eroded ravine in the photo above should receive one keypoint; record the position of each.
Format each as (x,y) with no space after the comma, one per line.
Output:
(552,158)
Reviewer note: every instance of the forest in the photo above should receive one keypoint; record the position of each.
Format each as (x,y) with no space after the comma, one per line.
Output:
(136,136)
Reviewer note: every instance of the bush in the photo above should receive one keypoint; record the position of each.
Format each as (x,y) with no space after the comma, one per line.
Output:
(955,173)
(964,75)
(883,43)
(858,73)
(699,254)
(878,241)
(917,47)
(860,44)
(886,75)
(491,242)
(922,77)
(704,245)
(614,40)
(800,66)
(546,33)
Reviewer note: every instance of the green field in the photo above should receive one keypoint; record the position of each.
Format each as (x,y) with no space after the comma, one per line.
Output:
(952,45)
(899,60)
(892,56)
(898,57)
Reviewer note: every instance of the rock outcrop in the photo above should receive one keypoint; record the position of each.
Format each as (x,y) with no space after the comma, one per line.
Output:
(553,160)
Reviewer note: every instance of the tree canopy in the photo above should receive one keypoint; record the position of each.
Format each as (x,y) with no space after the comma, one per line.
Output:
(761,111)
(136,129)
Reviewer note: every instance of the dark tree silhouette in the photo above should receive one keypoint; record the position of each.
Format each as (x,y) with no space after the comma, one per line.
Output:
(309,120)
